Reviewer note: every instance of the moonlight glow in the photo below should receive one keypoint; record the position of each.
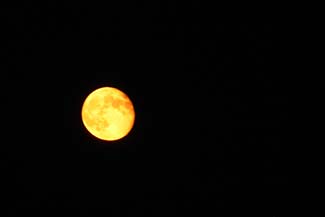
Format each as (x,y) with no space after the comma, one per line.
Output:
(108,114)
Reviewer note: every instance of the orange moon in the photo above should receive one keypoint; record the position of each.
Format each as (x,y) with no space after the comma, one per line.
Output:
(108,113)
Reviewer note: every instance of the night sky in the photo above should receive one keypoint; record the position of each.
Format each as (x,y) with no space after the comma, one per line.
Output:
(211,112)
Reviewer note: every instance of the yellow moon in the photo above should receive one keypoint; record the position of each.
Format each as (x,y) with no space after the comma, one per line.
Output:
(108,114)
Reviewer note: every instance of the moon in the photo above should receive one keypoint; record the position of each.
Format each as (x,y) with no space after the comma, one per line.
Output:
(108,114)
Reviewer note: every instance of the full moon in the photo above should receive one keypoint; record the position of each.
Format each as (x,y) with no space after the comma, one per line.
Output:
(108,113)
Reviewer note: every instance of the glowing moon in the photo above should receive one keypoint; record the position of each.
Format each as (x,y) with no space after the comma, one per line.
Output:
(108,114)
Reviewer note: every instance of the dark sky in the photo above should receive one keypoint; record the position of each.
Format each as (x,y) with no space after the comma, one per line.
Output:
(211,111)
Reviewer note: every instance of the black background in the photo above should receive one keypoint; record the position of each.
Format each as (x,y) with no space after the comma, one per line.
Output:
(210,100)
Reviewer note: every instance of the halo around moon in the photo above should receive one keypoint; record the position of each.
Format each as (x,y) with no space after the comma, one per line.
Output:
(108,113)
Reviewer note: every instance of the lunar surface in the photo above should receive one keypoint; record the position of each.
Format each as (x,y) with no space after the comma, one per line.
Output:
(108,114)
